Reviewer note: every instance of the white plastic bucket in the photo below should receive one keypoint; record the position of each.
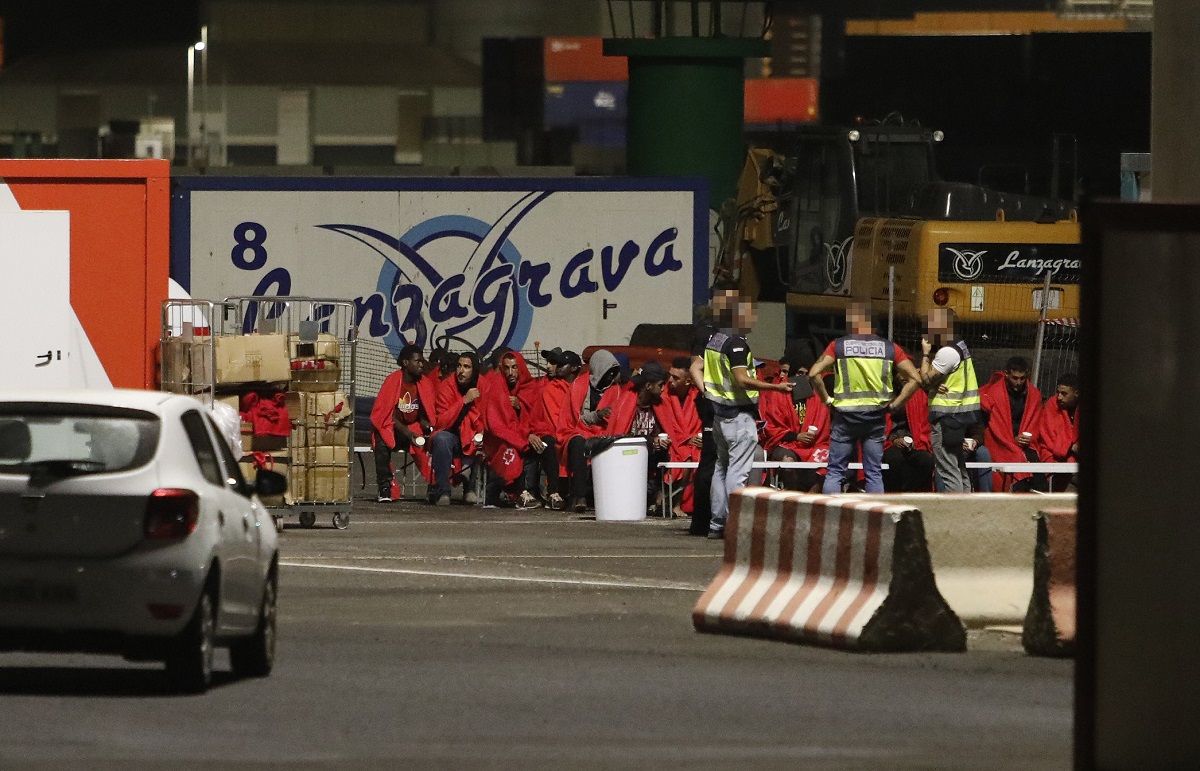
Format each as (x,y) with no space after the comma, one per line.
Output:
(619,481)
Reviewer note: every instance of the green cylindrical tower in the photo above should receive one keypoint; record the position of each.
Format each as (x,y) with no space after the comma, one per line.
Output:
(685,107)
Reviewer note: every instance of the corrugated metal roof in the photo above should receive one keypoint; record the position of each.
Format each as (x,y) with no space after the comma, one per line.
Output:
(259,64)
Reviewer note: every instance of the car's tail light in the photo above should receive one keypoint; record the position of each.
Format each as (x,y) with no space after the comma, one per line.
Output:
(171,513)
(941,296)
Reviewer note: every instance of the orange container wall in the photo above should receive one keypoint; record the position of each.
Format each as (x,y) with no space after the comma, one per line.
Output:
(119,251)
(780,100)
(581,58)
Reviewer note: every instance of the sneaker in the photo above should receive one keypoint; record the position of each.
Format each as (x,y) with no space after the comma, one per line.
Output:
(384,499)
(469,498)
(443,499)
(528,501)
(580,505)
(717,534)
(556,502)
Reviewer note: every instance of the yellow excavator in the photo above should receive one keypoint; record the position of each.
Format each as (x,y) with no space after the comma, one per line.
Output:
(825,215)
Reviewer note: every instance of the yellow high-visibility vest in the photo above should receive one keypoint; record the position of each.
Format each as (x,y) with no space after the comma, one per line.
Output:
(962,388)
(862,379)
(718,375)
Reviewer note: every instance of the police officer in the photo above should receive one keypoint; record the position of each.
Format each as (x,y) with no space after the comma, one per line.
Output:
(949,377)
(730,384)
(862,394)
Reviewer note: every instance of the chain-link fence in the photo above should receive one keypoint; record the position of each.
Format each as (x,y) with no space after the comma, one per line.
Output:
(374,361)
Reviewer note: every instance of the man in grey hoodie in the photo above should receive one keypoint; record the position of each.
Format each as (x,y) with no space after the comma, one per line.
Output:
(603,371)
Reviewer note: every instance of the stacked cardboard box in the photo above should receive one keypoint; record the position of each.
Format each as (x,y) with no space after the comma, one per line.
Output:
(322,419)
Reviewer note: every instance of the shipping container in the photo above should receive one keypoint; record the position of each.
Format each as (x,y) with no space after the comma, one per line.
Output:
(780,100)
(85,258)
(581,58)
(573,104)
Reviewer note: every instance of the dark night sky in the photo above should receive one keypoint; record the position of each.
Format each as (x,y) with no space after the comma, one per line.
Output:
(34,26)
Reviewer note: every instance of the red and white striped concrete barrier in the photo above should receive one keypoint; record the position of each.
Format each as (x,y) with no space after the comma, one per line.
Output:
(1050,622)
(829,570)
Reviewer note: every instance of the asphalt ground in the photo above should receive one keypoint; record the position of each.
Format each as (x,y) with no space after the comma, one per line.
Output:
(469,637)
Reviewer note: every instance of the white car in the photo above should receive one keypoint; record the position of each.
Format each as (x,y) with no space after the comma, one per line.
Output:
(126,527)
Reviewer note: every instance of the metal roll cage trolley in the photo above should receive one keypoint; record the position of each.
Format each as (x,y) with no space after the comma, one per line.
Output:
(318,336)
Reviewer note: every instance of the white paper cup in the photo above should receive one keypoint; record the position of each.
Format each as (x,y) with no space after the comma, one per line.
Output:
(419,441)
(664,437)
(813,429)
(908,440)
(478,438)
(1026,434)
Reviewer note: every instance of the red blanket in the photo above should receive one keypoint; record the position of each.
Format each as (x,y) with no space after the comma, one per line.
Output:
(620,400)
(780,419)
(505,429)
(997,437)
(916,413)
(384,411)
(450,404)
(1055,433)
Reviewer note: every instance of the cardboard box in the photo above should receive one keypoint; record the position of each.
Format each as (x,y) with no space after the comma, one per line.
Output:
(326,379)
(328,483)
(186,366)
(325,348)
(299,438)
(319,409)
(326,455)
(252,359)
(333,435)
(297,487)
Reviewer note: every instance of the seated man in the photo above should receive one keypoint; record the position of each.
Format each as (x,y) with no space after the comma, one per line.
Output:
(404,411)
(598,408)
(653,419)
(1057,433)
(458,420)
(1011,406)
(510,445)
(909,453)
(545,408)
(796,428)
(681,397)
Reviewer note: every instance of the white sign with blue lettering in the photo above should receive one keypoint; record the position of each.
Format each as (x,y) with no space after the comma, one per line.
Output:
(458,267)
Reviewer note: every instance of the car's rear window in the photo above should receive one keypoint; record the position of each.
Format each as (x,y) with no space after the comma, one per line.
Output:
(103,439)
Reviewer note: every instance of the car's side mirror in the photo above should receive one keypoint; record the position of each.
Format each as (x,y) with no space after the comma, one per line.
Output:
(270,483)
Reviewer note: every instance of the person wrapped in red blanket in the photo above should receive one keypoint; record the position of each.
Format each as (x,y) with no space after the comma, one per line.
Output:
(458,422)
(561,369)
(402,418)
(1057,435)
(510,396)
(656,419)
(796,428)
(908,452)
(597,409)
(688,437)
(1011,408)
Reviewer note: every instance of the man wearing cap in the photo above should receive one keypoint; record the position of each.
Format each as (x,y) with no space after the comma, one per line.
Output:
(562,369)
(653,419)
(864,369)
(731,385)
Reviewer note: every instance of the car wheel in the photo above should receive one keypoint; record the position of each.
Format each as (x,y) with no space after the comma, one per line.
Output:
(254,656)
(308,518)
(190,662)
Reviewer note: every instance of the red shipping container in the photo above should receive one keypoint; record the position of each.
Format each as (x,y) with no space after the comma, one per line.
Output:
(580,58)
(119,246)
(780,100)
